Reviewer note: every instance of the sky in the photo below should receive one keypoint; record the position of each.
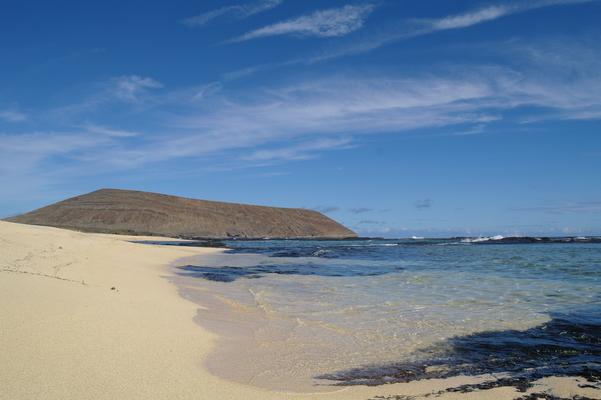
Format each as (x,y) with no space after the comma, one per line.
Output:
(396,118)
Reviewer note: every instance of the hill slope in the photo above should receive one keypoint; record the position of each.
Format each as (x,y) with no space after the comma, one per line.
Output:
(134,212)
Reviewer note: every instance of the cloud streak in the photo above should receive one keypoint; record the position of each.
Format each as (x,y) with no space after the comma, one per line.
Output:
(27,152)
(102,130)
(485,14)
(129,87)
(302,151)
(333,22)
(467,19)
(234,12)
(12,116)
(303,119)
(409,29)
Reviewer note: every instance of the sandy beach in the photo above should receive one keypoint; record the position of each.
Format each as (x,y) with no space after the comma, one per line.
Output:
(93,316)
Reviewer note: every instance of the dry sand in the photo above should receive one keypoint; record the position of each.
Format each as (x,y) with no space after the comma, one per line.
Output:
(65,333)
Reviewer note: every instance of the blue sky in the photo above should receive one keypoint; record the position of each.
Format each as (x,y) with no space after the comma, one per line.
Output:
(397,118)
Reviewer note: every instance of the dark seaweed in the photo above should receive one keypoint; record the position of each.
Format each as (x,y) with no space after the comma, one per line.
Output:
(546,396)
(230,274)
(187,243)
(563,346)
(531,396)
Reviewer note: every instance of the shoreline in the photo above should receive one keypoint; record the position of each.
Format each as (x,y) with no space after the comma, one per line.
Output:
(257,345)
(93,316)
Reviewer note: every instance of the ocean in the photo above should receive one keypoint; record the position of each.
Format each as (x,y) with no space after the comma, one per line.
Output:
(309,315)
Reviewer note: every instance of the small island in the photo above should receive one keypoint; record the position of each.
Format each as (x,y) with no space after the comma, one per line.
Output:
(152,214)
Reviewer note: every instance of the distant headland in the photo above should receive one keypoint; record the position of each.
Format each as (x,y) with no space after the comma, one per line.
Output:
(143,213)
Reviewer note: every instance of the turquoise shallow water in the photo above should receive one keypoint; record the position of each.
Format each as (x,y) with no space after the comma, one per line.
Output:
(379,311)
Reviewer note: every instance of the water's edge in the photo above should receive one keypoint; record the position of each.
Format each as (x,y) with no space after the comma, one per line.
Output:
(521,356)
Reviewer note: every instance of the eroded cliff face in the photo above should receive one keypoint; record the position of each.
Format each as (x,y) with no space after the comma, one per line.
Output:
(134,212)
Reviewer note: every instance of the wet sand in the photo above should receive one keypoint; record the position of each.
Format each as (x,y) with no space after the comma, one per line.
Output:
(94,316)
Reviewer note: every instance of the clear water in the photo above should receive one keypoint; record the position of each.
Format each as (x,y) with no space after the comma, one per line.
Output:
(303,315)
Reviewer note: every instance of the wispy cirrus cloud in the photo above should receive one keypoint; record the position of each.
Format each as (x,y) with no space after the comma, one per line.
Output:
(419,27)
(408,29)
(47,144)
(12,116)
(129,87)
(207,90)
(314,113)
(302,151)
(485,14)
(332,22)
(304,118)
(133,90)
(466,19)
(239,11)
(103,130)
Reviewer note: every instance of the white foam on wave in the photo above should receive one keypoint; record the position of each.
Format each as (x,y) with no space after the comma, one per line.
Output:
(482,239)
(371,245)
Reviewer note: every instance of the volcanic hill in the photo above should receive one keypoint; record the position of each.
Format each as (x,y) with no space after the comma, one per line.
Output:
(143,213)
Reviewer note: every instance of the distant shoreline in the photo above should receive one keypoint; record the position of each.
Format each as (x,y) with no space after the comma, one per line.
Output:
(219,242)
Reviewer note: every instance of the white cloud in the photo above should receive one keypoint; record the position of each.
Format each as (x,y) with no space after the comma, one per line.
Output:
(323,23)
(12,116)
(235,11)
(302,151)
(135,90)
(468,19)
(47,144)
(207,90)
(102,130)
(24,157)
(486,14)
(303,119)
(129,87)
(405,30)
(556,81)
(315,113)
(349,105)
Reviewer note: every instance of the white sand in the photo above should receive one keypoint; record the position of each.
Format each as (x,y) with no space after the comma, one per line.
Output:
(64,334)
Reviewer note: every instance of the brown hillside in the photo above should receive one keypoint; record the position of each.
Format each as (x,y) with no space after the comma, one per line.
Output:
(134,212)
